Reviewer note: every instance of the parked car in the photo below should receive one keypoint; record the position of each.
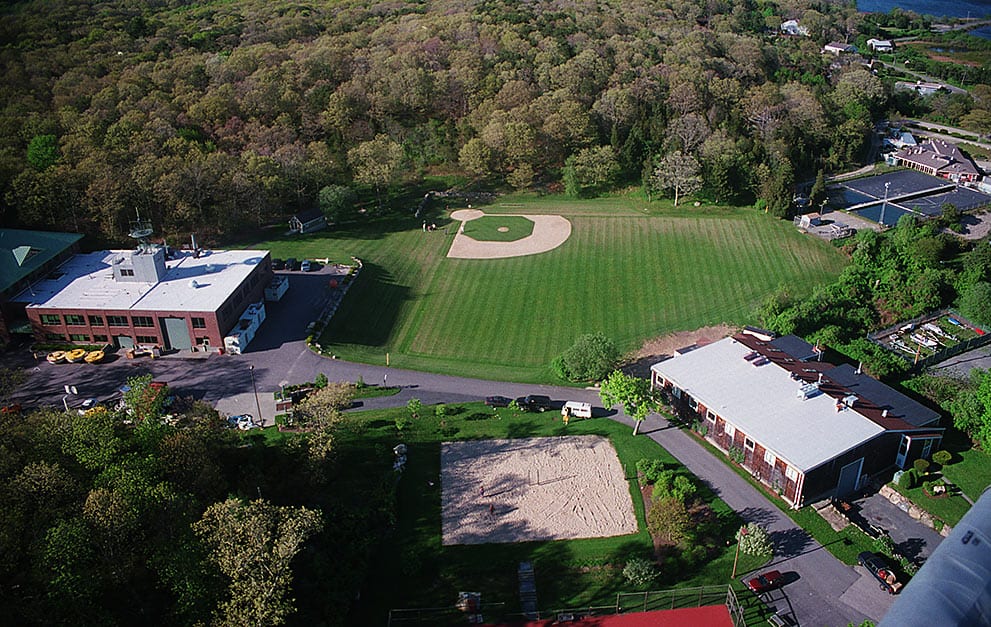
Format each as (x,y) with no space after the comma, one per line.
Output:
(244,422)
(877,566)
(291,263)
(306,265)
(765,582)
(498,401)
(535,402)
(278,264)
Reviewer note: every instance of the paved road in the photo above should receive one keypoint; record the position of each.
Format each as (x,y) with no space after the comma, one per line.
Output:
(825,591)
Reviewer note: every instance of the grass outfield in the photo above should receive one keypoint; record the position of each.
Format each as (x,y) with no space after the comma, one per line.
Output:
(623,272)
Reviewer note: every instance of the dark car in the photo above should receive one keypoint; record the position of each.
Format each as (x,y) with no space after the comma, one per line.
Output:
(291,263)
(278,264)
(535,402)
(765,582)
(878,567)
(498,401)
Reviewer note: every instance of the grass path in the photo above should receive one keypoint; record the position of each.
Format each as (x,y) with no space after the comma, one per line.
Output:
(627,274)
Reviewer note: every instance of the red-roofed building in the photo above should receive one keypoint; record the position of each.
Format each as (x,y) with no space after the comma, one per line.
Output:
(708,616)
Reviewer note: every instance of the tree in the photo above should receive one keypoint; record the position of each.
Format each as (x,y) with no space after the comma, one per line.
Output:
(144,400)
(322,408)
(253,545)
(337,202)
(43,152)
(677,172)
(633,393)
(413,407)
(975,303)
(754,540)
(377,162)
(590,170)
(476,158)
(590,358)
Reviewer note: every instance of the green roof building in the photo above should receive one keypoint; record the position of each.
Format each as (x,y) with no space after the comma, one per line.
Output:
(25,257)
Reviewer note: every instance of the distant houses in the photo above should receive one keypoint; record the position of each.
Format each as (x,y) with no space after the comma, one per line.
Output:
(792,27)
(880,45)
(938,158)
(923,89)
(838,48)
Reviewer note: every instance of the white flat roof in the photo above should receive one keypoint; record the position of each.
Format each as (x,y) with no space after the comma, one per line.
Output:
(87,282)
(763,402)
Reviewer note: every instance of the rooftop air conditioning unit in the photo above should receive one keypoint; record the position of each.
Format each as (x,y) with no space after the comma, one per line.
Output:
(808,391)
(193,284)
(850,400)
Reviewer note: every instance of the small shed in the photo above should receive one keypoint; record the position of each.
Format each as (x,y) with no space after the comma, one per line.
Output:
(308,221)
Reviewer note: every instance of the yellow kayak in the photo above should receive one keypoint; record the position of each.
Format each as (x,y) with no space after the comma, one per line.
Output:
(56,357)
(76,354)
(94,357)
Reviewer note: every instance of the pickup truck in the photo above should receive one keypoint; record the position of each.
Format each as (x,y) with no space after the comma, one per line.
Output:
(876,565)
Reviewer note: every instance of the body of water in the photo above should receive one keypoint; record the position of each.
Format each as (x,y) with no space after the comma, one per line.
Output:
(938,8)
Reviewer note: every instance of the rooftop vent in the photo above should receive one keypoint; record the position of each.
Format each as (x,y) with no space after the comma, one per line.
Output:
(808,391)
(193,284)
(760,362)
(752,355)
(850,400)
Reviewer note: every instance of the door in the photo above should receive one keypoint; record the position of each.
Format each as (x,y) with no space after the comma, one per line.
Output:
(927,448)
(849,475)
(903,451)
(176,333)
(124,341)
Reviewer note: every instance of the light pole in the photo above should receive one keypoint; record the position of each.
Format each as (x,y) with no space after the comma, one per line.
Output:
(258,406)
(884,204)
(742,532)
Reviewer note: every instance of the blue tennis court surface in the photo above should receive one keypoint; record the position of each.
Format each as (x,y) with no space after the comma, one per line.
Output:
(891,213)
(926,196)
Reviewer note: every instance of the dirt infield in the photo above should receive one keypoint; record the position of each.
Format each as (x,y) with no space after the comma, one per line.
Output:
(498,491)
(549,232)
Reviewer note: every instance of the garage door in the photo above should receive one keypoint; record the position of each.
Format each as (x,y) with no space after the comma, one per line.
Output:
(176,333)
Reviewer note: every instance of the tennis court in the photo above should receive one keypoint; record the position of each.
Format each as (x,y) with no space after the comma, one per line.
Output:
(901,183)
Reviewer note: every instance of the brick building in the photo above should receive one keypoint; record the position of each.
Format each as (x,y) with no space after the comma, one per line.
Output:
(148,296)
(805,428)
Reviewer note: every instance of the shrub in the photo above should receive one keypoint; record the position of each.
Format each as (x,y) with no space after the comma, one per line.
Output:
(413,406)
(651,469)
(670,484)
(884,544)
(591,358)
(320,381)
(360,383)
(921,466)
(755,540)
(942,457)
(668,520)
(907,480)
(736,454)
(440,411)
(403,423)
(640,572)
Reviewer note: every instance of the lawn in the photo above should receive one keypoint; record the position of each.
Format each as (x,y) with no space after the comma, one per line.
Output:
(413,569)
(970,468)
(626,273)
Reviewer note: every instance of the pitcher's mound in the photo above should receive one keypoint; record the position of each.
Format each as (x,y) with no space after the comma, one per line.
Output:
(533,489)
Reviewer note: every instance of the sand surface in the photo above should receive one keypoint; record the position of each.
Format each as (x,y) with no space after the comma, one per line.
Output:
(549,232)
(533,489)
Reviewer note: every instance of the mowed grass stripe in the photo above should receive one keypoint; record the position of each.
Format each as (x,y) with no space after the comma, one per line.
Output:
(628,275)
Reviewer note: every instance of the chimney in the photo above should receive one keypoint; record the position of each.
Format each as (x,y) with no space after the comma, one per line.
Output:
(884,413)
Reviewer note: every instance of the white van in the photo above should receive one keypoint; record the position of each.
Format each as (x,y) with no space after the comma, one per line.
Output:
(578,410)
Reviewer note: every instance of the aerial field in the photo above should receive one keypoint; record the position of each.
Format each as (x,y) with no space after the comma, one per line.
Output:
(627,274)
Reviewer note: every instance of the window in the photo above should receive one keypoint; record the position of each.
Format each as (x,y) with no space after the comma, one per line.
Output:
(770,458)
(51,320)
(711,417)
(147,339)
(791,473)
(142,321)
(199,323)
(78,337)
(748,444)
(676,392)
(75,320)
(730,430)
(54,337)
(694,404)
(96,321)
(117,321)
(203,341)
(99,338)
(127,272)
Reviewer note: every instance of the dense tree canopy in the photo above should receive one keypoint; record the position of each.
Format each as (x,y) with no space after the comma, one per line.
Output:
(214,114)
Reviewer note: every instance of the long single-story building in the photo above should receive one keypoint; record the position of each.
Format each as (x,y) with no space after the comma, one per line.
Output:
(147,296)
(806,428)
(939,158)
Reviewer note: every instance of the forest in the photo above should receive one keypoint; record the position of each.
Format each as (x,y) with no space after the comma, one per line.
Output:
(224,115)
